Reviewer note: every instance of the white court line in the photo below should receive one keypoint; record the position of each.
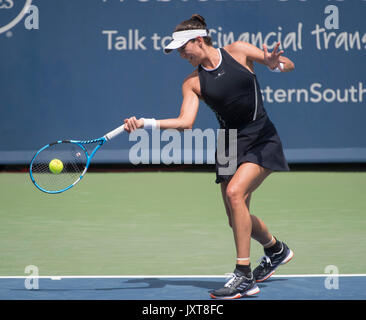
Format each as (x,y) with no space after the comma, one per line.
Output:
(178,276)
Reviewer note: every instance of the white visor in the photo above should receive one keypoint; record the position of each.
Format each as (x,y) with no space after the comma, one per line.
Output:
(180,38)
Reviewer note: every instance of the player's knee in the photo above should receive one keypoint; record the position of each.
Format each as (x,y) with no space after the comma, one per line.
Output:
(231,193)
(236,195)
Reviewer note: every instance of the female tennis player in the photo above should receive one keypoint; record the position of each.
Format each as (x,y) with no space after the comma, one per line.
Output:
(224,79)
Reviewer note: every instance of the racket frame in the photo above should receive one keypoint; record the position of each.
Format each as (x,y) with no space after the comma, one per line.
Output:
(107,137)
(79,143)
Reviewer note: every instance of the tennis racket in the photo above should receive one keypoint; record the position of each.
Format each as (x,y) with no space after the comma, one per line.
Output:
(60,165)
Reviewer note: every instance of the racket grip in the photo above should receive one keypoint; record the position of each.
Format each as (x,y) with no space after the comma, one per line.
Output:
(114,133)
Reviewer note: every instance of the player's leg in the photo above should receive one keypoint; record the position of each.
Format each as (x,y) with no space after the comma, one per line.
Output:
(259,229)
(246,180)
(276,251)
(237,194)
(243,281)
(223,186)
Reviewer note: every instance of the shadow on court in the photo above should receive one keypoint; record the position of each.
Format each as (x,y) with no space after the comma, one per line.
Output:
(153,283)
(149,288)
(265,284)
(148,283)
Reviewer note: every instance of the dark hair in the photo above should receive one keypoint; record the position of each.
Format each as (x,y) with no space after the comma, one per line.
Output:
(195,22)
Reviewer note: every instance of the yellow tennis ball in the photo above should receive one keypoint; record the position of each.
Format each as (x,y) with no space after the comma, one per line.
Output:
(56,166)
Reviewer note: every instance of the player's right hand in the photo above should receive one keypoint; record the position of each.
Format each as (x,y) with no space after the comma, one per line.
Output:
(132,124)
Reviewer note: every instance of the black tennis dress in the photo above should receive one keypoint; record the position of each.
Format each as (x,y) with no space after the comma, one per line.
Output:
(233,93)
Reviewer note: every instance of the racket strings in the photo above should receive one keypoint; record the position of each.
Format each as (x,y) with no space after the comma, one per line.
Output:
(72,163)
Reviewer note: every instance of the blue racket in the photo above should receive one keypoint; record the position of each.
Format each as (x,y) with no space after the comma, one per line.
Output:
(72,161)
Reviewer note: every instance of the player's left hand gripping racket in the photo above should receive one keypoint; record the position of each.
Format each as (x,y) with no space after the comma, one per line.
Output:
(73,162)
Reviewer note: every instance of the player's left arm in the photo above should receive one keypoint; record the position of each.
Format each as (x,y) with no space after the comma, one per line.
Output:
(273,59)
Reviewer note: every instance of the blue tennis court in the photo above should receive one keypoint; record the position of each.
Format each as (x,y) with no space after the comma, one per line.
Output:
(282,287)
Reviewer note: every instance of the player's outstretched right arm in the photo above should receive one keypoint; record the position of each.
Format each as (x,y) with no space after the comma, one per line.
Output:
(186,118)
